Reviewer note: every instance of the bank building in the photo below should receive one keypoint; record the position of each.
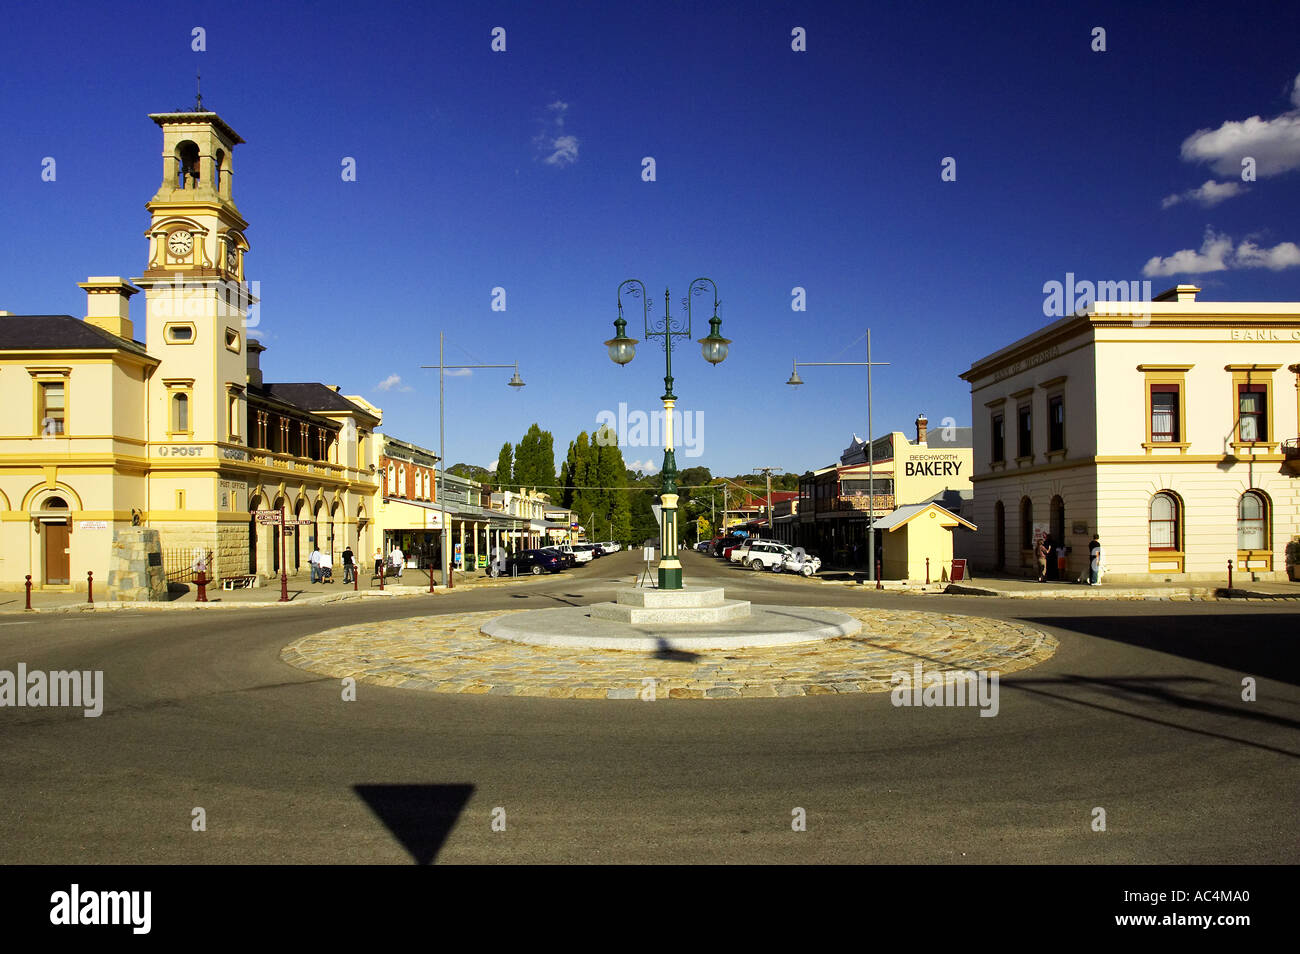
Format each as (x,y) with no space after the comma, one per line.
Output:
(167,423)
(1172,436)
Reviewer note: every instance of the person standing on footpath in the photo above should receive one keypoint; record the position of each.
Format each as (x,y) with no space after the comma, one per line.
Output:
(379,560)
(315,564)
(1044,548)
(1094,561)
(349,569)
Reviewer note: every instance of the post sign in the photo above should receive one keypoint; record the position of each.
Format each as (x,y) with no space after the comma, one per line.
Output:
(271,517)
(648,554)
(958,570)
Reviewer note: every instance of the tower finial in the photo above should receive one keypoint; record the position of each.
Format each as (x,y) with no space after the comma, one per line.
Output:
(198,93)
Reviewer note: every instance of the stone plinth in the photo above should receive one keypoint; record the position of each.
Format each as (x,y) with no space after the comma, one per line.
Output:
(135,567)
(690,604)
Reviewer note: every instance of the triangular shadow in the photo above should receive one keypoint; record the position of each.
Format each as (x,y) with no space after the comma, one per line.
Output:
(419,816)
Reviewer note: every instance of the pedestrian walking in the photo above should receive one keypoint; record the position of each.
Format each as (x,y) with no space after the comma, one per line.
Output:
(349,565)
(1044,548)
(315,564)
(1095,557)
(398,560)
(326,567)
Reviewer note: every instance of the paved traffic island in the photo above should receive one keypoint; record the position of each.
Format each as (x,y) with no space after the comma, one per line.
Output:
(451,654)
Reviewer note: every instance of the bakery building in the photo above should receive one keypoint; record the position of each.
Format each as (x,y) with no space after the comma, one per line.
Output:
(836,502)
(1171,437)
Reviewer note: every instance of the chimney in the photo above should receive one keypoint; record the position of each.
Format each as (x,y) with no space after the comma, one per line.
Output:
(920,427)
(108,304)
(255,349)
(1179,293)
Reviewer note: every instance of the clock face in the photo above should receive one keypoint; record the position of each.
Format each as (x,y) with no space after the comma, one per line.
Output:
(180,242)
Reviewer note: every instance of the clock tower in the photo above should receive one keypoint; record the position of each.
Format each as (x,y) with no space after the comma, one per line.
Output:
(197,298)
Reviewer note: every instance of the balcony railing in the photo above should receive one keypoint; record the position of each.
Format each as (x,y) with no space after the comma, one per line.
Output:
(1291,453)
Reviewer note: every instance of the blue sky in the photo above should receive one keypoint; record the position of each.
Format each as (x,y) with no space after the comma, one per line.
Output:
(774,169)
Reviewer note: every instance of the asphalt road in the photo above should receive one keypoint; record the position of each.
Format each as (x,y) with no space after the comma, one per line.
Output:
(1139,713)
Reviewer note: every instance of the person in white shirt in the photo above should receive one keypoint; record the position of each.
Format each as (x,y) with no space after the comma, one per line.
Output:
(397,559)
(326,568)
(315,564)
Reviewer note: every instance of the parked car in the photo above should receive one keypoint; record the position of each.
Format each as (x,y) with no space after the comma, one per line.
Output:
(567,559)
(807,566)
(766,555)
(736,552)
(609,546)
(535,562)
(581,552)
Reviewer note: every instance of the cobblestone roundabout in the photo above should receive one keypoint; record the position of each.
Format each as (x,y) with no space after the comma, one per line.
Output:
(450,654)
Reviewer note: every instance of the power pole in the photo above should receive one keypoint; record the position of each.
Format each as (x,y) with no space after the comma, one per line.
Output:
(767,471)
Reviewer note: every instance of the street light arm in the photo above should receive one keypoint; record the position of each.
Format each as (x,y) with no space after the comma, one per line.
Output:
(639,290)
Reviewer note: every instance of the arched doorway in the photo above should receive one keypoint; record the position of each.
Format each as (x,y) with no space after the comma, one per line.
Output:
(1058,520)
(56,547)
(337,532)
(277,533)
(297,537)
(254,505)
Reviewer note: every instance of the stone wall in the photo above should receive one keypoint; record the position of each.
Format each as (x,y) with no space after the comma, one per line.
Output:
(135,567)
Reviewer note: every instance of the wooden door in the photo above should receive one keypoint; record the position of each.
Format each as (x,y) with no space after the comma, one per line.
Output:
(58,561)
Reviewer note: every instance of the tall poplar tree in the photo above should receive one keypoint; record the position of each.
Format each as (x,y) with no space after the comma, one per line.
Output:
(505,467)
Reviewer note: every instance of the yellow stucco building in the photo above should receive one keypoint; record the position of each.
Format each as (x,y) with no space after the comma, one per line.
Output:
(1171,435)
(175,429)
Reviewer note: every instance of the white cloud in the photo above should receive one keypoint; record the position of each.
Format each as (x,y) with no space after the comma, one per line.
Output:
(1218,254)
(1208,194)
(393,383)
(1282,255)
(646,466)
(554,146)
(1273,143)
(458,372)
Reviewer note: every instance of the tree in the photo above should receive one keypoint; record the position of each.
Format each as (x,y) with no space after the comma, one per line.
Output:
(580,501)
(505,467)
(535,459)
(611,475)
(470,471)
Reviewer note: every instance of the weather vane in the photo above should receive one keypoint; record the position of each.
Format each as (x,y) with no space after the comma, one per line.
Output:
(198,93)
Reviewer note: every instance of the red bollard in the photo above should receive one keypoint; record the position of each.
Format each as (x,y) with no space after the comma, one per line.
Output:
(90,586)
(202,583)
(879,584)
(927,571)
(356,573)
(29,591)
(1229,574)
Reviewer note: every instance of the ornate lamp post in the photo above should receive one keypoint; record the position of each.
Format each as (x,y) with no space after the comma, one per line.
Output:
(622,349)
(795,381)
(445,535)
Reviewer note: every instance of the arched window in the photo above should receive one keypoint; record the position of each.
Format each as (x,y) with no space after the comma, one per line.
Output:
(389,491)
(218,162)
(401,481)
(187,165)
(1058,520)
(1252,521)
(1026,524)
(1165,523)
(181,413)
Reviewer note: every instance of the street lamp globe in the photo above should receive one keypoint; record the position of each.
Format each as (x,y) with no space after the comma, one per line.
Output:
(714,346)
(622,349)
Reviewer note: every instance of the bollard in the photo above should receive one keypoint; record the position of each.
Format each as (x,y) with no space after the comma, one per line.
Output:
(90,587)
(430,577)
(29,592)
(202,583)
(927,571)
(879,584)
(381,576)
(356,574)
(1229,574)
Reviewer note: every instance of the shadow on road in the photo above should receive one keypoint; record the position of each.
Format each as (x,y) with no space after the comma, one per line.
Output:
(419,816)
(1262,645)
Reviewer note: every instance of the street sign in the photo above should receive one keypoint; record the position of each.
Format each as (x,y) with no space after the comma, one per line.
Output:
(267,517)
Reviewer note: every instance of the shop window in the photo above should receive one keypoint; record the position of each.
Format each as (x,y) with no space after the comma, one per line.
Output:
(1252,522)
(1165,522)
